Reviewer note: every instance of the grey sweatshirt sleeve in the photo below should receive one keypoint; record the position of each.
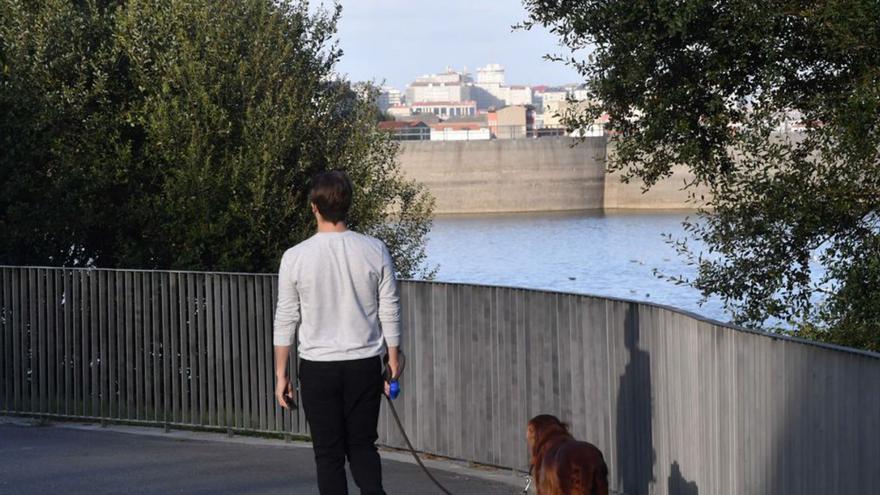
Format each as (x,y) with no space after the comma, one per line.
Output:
(389,301)
(287,315)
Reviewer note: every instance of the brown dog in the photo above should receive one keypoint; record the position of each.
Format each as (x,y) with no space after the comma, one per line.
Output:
(562,465)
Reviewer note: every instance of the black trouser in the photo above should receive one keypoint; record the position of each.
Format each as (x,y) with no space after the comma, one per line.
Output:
(341,400)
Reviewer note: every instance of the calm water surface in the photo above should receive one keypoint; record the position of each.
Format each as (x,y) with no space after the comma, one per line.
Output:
(608,254)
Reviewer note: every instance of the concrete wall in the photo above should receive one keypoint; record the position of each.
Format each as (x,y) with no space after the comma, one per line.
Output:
(668,193)
(522,175)
(509,175)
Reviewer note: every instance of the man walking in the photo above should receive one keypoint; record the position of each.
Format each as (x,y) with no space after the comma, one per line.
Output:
(338,287)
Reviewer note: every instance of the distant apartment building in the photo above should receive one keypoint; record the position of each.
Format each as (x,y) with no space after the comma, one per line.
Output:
(580,94)
(548,95)
(490,89)
(519,95)
(389,97)
(445,109)
(427,92)
(538,97)
(597,128)
(511,122)
(555,93)
(491,74)
(555,110)
(452,94)
(791,121)
(487,88)
(554,103)
(449,86)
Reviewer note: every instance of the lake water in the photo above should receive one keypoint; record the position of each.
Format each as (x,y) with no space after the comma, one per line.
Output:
(607,254)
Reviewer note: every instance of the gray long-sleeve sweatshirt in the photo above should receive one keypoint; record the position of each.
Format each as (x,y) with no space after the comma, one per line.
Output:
(340,289)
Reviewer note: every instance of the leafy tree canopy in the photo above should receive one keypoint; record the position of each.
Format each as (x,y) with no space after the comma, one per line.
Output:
(182,135)
(775,107)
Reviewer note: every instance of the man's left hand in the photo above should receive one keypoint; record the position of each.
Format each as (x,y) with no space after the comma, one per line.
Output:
(285,394)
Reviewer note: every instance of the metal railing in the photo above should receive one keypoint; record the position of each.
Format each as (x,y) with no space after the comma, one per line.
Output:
(672,399)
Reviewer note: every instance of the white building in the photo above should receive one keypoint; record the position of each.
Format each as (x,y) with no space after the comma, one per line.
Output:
(580,94)
(444,87)
(389,97)
(551,101)
(518,95)
(556,107)
(398,111)
(492,74)
(426,92)
(555,94)
(449,76)
(490,89)
(481,134)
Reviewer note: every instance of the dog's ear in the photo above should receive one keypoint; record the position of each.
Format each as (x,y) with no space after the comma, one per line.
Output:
(531,435)
(532,432)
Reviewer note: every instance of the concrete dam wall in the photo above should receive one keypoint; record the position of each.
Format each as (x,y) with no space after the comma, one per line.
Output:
(529,175)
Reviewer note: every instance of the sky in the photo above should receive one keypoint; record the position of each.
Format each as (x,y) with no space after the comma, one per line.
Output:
(399,40)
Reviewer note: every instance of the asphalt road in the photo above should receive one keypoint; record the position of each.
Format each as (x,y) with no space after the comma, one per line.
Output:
(71,461)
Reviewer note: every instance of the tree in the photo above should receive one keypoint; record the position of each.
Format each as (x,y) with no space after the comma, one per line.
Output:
(792,227)
(182,135)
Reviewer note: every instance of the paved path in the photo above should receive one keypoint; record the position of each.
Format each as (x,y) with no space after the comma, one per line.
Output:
(77,458)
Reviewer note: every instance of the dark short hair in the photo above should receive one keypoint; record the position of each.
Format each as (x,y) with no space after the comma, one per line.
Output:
(331,193)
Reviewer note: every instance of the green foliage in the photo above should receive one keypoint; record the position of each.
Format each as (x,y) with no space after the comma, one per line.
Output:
(715,85)
(182,135)
(852,312)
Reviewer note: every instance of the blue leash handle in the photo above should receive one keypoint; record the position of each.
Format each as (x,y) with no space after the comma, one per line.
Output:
(394,389)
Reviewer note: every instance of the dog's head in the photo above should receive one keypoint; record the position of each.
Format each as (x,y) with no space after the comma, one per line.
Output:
(541,428)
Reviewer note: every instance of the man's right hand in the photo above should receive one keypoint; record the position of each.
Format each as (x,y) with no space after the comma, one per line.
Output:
(393,366)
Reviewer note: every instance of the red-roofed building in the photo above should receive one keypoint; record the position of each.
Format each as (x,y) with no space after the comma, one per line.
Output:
(407,130)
